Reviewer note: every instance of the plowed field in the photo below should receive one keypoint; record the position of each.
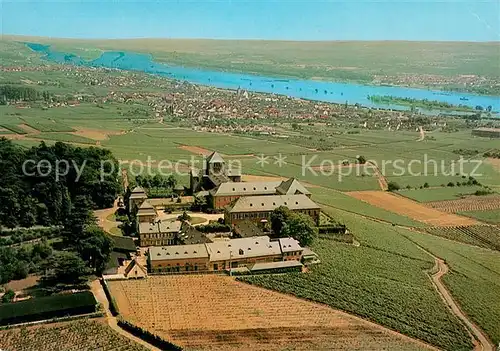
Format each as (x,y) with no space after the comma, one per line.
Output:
(209,312)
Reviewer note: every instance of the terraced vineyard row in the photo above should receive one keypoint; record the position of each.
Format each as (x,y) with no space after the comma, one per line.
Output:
(486,236)
(82,335)
(472,203)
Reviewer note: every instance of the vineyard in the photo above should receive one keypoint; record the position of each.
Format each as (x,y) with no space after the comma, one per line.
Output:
(49,127)
(82,335)
(13,128)
(472,203)
(210,312)
(480,235)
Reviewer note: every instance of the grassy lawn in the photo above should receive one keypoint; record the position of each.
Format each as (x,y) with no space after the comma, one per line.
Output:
(491,216)
(439,194)
(474,279)
(111,217)
(197,220)
(116,231)
(383,280)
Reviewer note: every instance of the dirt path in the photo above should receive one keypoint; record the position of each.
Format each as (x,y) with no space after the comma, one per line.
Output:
(103,221)
(481,340)
(100,296)
(382,181)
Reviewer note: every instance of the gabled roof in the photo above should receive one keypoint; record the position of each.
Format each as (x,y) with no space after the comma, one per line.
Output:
(270,202)
(215,157)
(142,270)
(146,209)
(138,189)
(190,235)
(177,252)
(291,187)
(123,243)
(138,196)
(160,227)
(244,188)
(247,228)
(242,248)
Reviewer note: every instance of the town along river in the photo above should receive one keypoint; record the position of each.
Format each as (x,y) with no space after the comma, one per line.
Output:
(306,89)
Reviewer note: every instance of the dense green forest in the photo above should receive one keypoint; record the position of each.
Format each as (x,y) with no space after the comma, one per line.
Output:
(30,197)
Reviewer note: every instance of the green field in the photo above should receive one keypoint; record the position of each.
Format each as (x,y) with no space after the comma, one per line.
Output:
(65,137)
(474,279)
(383,280)
(50,127)
(342,60)
(13,128)
(486,236)
(81,335)
(491,216)
(439,194)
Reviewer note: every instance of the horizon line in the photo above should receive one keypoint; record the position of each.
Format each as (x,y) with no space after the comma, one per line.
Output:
(254,39)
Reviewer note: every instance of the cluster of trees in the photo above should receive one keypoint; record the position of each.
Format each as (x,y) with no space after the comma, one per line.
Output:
(87,249)
(156,181)
(20,93)
(492,154)
(32,192)
(285,223)
(157,185)
(18,262)
(393,186)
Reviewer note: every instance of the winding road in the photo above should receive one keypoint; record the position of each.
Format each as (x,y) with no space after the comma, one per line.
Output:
(481,340)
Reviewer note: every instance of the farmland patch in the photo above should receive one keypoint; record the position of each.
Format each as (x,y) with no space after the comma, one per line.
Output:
(82,335)
(409,208)
(217,313)
(195,150)
(472,203)
(479,235)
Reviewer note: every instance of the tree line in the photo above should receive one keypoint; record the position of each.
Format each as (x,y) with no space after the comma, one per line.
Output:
(20,93)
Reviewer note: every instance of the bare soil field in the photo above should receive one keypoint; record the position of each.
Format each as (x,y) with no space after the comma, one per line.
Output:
(495,162)
(471,203)
(410,208)
(195,150)
(212,312)
(94,134)
(21,284)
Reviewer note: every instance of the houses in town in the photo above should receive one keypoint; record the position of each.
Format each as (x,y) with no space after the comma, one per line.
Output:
(244,254)
(486,132)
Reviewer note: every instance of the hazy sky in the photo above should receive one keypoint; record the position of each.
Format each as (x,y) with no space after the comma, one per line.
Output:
(473,20)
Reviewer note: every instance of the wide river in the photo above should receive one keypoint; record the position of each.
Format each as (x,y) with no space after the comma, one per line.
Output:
(307,89)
